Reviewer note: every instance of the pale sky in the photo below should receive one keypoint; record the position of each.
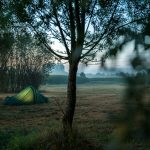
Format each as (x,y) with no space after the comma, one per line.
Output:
(122,61)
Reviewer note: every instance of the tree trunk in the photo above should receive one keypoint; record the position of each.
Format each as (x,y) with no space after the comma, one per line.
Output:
(71,97)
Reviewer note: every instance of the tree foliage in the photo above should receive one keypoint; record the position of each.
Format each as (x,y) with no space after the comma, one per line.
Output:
(134,123)
(21,56)
(83,27)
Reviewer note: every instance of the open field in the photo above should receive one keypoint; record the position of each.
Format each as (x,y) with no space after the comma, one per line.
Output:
(95,103)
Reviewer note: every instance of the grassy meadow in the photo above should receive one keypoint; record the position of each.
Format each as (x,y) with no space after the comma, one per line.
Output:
(95,104)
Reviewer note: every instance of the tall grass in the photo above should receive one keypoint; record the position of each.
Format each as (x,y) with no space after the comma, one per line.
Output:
(52,139)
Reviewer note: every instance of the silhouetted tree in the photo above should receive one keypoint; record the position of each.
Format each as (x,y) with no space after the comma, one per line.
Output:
(21,57)
(83,27)
(6,43)
(82,74)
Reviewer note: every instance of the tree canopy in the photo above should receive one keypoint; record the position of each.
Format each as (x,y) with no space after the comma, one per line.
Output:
(83,27)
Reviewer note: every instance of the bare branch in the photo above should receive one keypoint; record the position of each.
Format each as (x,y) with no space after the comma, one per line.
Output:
(90,19)
(61,32)
(105,31)
(46,45)
(123,25)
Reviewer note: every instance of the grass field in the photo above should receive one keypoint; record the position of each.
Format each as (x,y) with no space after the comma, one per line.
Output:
(95,103)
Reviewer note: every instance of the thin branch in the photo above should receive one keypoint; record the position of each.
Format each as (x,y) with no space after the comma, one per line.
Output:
(117,28)
(46,45)
(133,21)
(90,19)
(58,104)
(105,31)
(61,32)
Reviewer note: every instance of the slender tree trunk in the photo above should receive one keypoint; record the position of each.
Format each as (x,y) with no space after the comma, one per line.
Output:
(71,97)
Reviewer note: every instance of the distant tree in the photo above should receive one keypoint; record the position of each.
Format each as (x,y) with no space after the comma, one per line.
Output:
(82,74)
(84,27)
(58,68)
(48,67)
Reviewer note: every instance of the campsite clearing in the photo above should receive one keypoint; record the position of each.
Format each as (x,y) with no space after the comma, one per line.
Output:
(95,103)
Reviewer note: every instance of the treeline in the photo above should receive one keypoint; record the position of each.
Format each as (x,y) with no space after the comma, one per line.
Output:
(22,63)
(62,79)
(22,56)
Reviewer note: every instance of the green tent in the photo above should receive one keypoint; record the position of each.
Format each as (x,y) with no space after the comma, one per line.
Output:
(28,95)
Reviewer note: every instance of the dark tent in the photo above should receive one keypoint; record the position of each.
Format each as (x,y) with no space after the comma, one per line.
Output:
(28,95)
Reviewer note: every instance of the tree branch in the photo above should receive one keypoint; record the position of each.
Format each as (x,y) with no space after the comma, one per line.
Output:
(105,31)
(90,19)
(61,32)
(72,25)
(46,45)
(121,26)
